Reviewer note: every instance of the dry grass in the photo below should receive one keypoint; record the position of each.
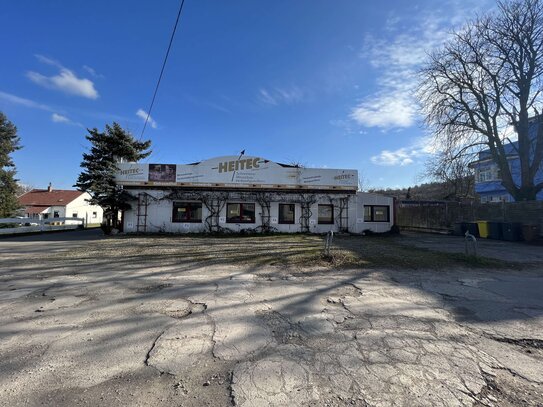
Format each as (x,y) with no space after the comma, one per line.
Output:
(300,251)
(388,252)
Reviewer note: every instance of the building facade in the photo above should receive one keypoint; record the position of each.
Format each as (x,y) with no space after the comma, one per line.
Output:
(52,203)
(252,194)
(488,183)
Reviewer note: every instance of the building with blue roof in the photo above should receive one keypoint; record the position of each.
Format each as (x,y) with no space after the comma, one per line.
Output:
(488,184)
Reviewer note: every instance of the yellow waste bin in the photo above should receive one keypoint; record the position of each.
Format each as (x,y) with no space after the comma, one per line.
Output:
(482,225)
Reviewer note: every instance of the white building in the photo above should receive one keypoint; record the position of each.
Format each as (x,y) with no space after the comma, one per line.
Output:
(248,194)
(59,203)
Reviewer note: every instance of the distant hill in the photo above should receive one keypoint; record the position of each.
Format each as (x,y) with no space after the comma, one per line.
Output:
(441,191)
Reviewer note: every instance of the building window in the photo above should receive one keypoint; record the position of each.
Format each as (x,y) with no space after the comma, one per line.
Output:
(56,214)
(45,216)
(485,174)
(240,213)
(94,215)
(376,213)
(187,212)
(367,213)
(74,215)
(287,213)
(326,214)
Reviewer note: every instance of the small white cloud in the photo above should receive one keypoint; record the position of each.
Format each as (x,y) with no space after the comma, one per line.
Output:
(66,81)
(422,146)
(92,71)
(265,97)
(48,61)
(399,157)
(58,118)
(385,111)
(278,96)
(143,115)
(290,95)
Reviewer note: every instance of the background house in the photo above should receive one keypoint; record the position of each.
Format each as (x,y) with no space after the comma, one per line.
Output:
(59,203)
(488,184)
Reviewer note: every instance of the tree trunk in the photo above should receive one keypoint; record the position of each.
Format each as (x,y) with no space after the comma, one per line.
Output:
(114,217)
(525,193)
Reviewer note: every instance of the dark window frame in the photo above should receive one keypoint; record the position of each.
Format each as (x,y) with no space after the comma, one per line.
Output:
(238,219)
(372,213)
(189,204)
(327,222)
(281,221)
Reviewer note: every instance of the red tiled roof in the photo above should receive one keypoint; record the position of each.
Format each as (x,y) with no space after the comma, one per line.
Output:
(42,197)
(31,210)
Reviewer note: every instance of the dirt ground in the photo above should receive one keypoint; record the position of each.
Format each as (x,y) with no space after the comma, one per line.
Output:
(267,321)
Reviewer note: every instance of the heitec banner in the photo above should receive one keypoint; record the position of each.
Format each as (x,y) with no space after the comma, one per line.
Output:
(235,172)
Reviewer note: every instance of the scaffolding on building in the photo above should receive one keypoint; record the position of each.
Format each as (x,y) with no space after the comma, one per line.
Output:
(141,212)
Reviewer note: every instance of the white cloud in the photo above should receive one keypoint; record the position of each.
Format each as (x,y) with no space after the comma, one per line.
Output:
(48,61)
(398,58)
(265,97)
(406,155)
(58,118)
(92,71)
(276,96)
(17,100)
(66,80)
(399,157)
(385,111)
(143,115)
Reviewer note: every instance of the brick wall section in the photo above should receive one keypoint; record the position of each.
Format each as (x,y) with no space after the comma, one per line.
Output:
(442,216)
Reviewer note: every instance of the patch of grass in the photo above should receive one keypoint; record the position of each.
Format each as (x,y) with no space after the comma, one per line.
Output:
(92,225)
(387,252)
(300,251)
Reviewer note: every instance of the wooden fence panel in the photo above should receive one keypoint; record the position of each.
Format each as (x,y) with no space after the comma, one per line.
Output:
(442,215)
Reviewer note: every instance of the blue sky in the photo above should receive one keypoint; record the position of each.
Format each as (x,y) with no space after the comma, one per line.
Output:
(322,83)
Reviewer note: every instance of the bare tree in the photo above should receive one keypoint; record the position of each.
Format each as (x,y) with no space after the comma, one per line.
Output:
(23,188)
(454,172)
(486,78)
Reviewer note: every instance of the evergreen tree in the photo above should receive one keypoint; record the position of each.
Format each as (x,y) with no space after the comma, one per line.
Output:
(100,165)
(9,142)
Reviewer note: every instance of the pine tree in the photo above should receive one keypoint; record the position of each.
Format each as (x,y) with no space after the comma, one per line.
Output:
(100,165)
(9,142)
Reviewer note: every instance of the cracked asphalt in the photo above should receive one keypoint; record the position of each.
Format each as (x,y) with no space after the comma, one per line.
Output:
(132,330)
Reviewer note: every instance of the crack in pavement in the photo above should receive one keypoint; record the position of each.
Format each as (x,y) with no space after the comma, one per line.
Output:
(148,355)
(523,342)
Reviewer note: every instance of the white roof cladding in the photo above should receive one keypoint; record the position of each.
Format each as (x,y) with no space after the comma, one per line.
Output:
(237,172)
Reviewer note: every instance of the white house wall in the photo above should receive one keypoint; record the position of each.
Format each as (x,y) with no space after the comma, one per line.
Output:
(364,199)
(159,215)
(84,210)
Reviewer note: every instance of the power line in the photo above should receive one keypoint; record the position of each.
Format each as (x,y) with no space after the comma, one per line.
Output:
(162,70)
